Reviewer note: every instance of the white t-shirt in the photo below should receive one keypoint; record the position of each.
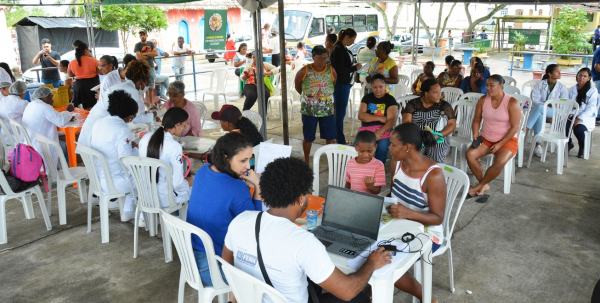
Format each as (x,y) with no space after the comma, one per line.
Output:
(289,253)
(179,61)
(274,45)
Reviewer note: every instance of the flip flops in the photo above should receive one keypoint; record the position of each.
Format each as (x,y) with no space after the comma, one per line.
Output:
(483,199)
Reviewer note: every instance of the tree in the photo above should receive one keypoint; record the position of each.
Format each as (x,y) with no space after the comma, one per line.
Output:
(569,34)
(476,22)
(16,13)
(129,18)
(389,30)
(439,32)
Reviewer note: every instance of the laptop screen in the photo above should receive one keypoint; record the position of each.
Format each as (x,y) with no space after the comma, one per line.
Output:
(353,211)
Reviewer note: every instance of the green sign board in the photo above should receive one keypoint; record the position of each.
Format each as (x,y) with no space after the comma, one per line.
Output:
(533,35)
(215,28)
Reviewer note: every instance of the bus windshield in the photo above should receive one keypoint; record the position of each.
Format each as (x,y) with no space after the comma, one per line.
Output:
(295,24)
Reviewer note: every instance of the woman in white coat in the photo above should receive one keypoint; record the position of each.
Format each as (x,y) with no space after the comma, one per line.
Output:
(40,117)
(161,145)
(548,88)
(138,79)
(13,105)
(586,95)
(112,138)
(114,74)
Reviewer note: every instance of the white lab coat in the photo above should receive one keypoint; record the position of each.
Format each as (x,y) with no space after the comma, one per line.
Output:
(111,79)
(13,107)
(112,138)
(41,118)
(540,90)
(100,110)
(171,153)
(589,110)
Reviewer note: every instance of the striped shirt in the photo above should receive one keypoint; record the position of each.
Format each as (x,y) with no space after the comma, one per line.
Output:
(409,192)
(356,173)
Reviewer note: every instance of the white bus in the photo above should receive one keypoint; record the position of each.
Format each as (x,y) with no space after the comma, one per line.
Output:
(310,24)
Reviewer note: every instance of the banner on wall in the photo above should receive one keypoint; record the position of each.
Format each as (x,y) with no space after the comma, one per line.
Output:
(215,29)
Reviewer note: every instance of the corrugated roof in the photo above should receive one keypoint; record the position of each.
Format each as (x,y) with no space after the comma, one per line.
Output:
(53,22)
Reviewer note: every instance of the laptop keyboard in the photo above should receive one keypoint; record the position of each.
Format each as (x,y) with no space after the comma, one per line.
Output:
(342,238)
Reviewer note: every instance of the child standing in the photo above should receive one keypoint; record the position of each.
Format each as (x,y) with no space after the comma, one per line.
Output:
(365,173)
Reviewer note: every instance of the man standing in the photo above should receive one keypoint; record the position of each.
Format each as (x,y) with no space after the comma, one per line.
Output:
(178,64)
(160,79)
(596,73)
(596,37)
(48,58)
(145,50)
(273,49)
(161,53)
(291,254)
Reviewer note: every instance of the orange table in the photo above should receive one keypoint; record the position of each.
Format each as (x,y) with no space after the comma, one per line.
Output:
(71,131)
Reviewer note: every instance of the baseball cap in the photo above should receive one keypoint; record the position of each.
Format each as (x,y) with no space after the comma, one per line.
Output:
(143,31)
(228,113)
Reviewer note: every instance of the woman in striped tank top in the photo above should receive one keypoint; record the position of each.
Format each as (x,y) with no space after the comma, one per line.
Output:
(502,115)
(420,188)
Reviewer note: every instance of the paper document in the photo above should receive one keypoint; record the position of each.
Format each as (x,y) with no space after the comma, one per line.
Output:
(268,152)
(385,216)
(386,271)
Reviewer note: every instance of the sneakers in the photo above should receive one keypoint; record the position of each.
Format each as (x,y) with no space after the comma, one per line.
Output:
(538,151)
(580,154)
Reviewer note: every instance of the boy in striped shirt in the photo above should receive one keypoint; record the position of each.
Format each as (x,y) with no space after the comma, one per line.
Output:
(365,173)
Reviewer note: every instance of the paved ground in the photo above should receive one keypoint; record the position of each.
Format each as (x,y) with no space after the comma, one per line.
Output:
(540,243)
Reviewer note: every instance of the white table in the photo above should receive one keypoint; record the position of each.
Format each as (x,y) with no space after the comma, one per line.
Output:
(383,290)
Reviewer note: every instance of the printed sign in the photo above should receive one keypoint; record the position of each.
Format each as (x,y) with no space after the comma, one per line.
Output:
(215,29)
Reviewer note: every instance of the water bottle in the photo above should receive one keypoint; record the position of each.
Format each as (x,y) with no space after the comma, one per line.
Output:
(153,126)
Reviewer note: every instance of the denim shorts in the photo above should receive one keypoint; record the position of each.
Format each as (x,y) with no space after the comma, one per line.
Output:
(202,261)
(326,125)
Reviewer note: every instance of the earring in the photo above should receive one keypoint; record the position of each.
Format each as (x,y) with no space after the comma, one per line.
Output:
(407,150)
(301,204)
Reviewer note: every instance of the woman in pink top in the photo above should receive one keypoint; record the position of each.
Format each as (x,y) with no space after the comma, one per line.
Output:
(176,99)
(501,114)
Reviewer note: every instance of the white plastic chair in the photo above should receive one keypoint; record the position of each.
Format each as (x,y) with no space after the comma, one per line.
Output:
(407,69)
(247,288)
(524,101)
(218,83)
(8,132)
(63,175)
(25,197)
(521,133)
(254,117)
(87,155)
(400,90)
(451,94)
(20,133)
(511,90)
(144,172)
(508,80)
(471,96)
(276,93)
(456,181)
(404,79)
(587,143)
(414,74)
(278,98)
(337,160)
(465,112)
(181,233)
(402,101)
(529,85)
(561,109)
(202,110)
(256,150)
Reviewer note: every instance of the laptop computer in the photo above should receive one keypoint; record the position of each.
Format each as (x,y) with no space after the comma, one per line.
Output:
(350,222)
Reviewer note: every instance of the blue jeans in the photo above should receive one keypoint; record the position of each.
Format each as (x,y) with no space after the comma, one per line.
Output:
(383,147)
(536,121)
(55,83)
(341,94)
(202,261)
(178,70)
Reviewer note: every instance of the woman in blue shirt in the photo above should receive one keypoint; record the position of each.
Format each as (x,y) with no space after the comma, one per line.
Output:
(220,193)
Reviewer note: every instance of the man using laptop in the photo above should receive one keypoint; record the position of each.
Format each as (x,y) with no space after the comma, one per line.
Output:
(289,253)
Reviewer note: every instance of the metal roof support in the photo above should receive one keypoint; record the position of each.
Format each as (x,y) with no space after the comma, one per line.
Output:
(415,49)
(283,75)
(259,78)
(93,37)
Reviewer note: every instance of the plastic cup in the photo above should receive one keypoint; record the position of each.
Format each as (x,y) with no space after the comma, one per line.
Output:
(311,218)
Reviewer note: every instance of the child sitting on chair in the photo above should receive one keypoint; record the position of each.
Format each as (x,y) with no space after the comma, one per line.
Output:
(365,173)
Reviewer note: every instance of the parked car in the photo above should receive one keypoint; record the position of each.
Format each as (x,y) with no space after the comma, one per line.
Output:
(405,41)
(30,76)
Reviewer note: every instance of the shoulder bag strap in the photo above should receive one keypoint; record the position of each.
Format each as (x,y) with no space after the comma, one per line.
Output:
(261,264)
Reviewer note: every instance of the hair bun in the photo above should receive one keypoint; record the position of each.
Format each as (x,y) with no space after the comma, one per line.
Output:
(391,45)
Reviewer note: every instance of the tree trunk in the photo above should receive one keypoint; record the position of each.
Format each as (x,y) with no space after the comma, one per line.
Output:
(446,20)
(424,26)
(395,19)
(384,16)
(468,13)
(437,28)
(484,18)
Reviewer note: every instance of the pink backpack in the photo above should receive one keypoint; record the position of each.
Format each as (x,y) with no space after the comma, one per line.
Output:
(26,164)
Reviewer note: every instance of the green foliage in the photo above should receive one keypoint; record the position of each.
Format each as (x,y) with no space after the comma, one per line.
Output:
(398,49)
(480,47)
(568,33)
(16,13)
(520,41)
(128,19)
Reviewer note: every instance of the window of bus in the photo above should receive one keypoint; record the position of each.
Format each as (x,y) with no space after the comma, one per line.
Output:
(317,28)
(372,25)
(360,23)
(295,23)
(334,22)
(346,22)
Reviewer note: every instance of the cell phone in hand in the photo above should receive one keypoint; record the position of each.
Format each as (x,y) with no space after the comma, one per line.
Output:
(477,142)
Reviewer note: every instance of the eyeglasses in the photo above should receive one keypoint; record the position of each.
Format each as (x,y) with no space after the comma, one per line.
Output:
(172,94)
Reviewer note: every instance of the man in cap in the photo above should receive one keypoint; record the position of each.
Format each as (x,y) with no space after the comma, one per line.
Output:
(145,50)
(273,48)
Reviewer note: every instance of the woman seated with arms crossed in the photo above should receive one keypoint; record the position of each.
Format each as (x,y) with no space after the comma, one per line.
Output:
(501,114)
(378,112)
(383,65)
(426,74)
(418,174)
(220,193)
(177,99)
(161,145)
(587,97)
(431,113)
(112,138)
(548,88)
